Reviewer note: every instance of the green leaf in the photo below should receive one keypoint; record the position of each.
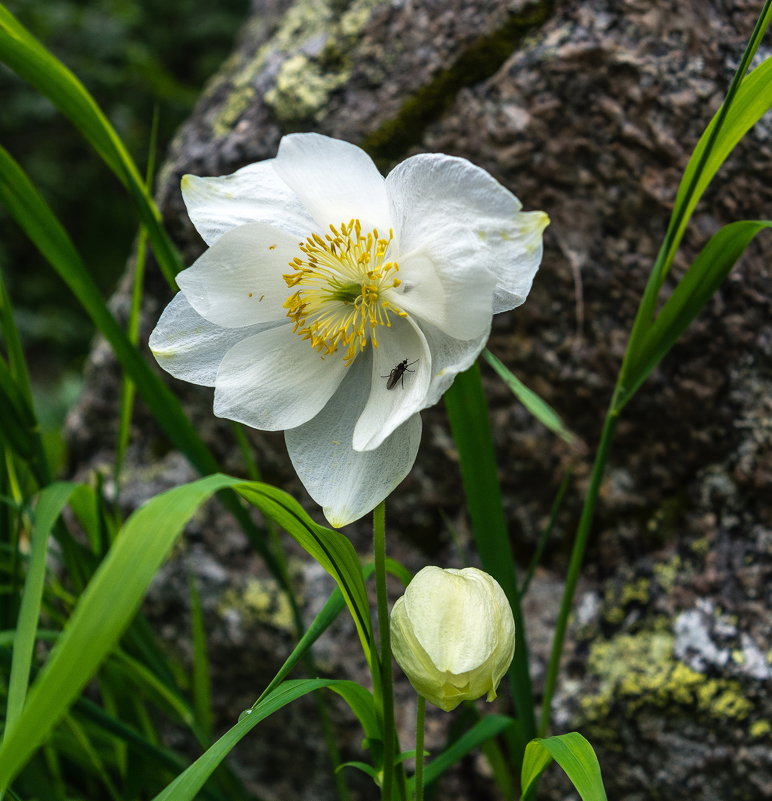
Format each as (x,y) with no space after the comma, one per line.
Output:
(189,783)
(331,609)
(19,427)
(469,422)
(539,408)
(749,97)
(52,500)
(485,729)
(27,57)
(112,597)
(103,611)
(361,766)
(751,102)
(694,290)
(574,754)
(331,549)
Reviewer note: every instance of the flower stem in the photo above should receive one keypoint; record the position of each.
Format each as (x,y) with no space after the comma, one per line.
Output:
(575,565)
(387,690)
(420,717)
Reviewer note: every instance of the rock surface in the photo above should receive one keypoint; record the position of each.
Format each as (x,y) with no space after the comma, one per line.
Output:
(589,110)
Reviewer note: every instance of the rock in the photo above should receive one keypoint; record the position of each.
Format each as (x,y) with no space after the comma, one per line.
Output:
(589,110)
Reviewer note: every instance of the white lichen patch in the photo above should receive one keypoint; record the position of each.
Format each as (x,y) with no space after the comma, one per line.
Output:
(705,638)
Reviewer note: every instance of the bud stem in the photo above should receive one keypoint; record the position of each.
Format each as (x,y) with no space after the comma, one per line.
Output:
(387,690)
(419,748)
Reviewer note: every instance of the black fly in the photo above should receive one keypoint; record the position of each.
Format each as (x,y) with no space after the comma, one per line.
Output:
(398,374)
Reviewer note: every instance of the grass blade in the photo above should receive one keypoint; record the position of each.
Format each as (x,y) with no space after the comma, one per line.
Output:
(90,634)
(33,214)
(52,500)
(132,330)
(328,613)
(27,57)
(748,98)
(539,408)
(19,427)
(189,783)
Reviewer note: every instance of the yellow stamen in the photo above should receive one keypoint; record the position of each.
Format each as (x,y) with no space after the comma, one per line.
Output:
(340,282)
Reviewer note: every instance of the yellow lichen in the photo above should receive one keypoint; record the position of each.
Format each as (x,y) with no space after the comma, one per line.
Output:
(636,670)
(666,572)
(304,81)
(262,600)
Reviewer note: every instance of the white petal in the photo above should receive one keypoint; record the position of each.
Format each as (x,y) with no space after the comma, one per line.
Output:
(275,380)
(445,266)
(386,409)
(238,281)
(434,192)
(346,483)
(518,253)
(446,285)
(449,358)
(191,348)
(254,193)
(452,617)
(335,180)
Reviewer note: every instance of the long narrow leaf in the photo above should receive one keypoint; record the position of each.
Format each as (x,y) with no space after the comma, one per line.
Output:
(752,101)
(188,784)
(331,549)
(539,408)
(19,427)
(27,57)
(468,413)
(574,754)
(486,729)
(101,615)
(52,500)
(749,97)
(32,213)
(112,597)
(329,612)
(703,278)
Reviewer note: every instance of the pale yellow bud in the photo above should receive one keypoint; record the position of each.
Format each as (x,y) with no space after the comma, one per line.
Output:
(453,634)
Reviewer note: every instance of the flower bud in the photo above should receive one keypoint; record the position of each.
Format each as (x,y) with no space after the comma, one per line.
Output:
(453,635)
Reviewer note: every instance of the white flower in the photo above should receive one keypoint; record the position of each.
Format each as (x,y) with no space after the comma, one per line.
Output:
(453,634)
(321,278)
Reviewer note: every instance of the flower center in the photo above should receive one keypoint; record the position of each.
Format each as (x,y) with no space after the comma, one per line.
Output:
(340,280)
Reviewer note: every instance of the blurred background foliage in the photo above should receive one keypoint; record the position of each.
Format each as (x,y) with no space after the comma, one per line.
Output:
(133,57)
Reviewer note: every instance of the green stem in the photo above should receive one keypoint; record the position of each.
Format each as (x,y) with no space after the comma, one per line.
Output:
(420,717)
(387,689)
(575,565)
